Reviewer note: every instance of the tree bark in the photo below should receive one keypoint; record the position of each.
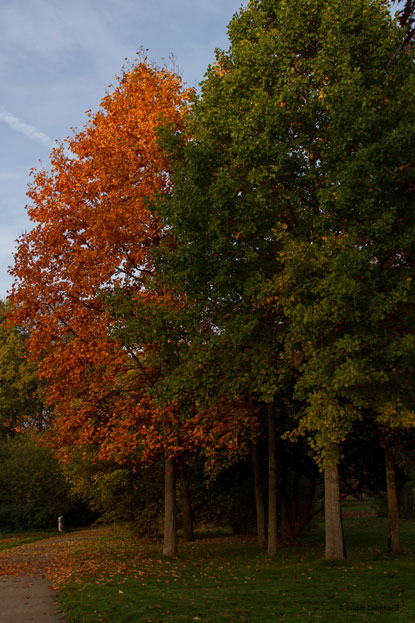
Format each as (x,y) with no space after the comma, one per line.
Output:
(393,508)
(259,499)
(272,483)
(186,503)
(335,549)
(170,531)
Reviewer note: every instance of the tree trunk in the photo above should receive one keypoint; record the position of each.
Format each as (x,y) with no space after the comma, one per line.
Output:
(259,499)
(272,482)
(335,549)
(393,508)
(188,534)
(170,532)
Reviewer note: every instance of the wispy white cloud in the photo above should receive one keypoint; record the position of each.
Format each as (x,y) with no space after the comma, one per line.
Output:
(24,128)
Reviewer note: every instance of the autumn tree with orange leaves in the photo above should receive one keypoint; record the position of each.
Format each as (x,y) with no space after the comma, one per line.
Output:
(93,234)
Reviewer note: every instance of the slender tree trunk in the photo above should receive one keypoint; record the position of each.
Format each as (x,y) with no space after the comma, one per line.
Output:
(170,532)
(186,504)
(259,499)
(272,483)
(393,508)
(335,549)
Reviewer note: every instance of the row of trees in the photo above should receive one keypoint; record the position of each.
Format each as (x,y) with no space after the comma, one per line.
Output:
(209,269)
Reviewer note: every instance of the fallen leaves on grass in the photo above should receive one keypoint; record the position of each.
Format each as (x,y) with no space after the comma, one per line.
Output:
(100,556)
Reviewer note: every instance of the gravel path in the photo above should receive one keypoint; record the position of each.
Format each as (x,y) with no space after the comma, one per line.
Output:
(28,600)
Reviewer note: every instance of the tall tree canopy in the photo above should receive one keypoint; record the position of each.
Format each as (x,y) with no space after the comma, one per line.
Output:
(294,212)
(93,234)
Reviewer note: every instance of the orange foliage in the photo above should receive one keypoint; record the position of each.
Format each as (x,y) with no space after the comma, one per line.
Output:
(93,231)
(225,432)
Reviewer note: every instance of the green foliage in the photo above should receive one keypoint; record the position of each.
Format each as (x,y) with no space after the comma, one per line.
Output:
(293,209)
(20,389)
(119,494)
(21,517)
(33,491)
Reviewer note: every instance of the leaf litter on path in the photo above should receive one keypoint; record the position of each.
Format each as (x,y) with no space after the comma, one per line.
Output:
(52,558)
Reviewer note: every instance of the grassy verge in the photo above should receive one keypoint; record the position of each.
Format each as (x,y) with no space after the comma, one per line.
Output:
(226,579)
(9,540)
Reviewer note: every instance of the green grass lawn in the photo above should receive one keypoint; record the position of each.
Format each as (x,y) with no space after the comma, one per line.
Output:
(228,579)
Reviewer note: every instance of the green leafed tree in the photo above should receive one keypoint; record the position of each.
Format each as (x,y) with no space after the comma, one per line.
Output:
(294,213)
(33,490)
(20,389)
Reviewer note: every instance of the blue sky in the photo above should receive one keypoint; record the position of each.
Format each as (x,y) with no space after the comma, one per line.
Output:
(57,59)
